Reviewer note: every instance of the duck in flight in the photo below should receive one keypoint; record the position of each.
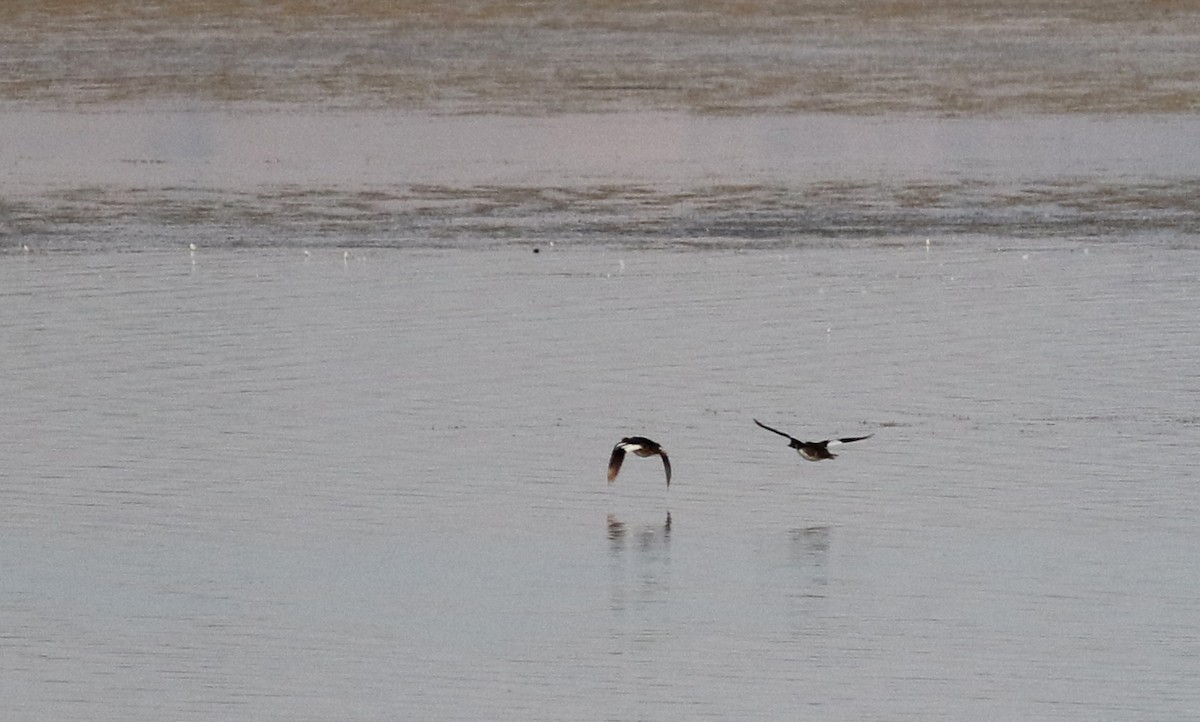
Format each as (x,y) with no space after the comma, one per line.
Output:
(641,446)
(813,450)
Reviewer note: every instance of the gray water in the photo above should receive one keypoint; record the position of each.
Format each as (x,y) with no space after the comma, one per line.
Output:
(317,329)
(256,484)
(139,179)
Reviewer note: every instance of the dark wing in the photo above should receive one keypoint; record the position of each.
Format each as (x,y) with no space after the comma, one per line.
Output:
(848,439)
(666,465)
(614,461)
(776,431)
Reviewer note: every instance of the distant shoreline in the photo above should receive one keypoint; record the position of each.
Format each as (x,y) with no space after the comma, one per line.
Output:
(538,58)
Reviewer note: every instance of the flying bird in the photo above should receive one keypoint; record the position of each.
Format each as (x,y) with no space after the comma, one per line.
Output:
(813,450)
(641,446)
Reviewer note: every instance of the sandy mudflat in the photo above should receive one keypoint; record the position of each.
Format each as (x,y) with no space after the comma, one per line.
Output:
(953,58)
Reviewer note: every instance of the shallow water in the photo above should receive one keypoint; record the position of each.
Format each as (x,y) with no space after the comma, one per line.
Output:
(300,426)
(253,483)
(139,179)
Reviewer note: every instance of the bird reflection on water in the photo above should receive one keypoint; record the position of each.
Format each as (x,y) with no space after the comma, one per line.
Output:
(812,541)
(648,535)
(640,572)
(808,555)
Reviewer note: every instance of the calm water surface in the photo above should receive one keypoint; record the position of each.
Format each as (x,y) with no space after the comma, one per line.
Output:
(138,179)
(345,459)
(258,484)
